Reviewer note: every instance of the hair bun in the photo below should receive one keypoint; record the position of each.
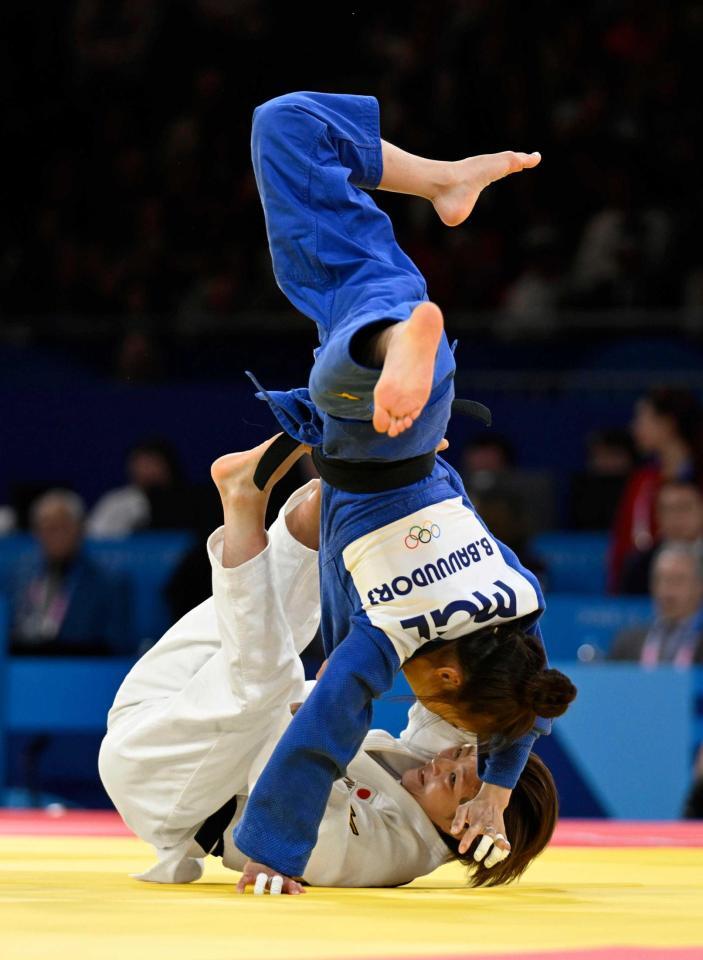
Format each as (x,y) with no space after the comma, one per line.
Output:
(552,692)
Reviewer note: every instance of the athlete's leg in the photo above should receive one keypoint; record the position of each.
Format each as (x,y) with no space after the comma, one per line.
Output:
(195,711)
(292,540)
(336,257)
(453,187)
(405,351)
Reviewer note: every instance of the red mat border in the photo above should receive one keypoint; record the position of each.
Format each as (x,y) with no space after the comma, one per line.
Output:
(569,833)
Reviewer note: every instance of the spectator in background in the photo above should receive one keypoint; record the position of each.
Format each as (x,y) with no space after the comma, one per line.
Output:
(676,635)
(489,466)
(155,498)
(666,428)
(8,519)
(65,603)
(503,512)
(487,453)
(595,493)
(679,517)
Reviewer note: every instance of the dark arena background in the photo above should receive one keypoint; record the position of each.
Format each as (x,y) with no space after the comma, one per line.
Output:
(135,290)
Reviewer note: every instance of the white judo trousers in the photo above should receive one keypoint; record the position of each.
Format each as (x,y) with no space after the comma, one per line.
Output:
(197,718)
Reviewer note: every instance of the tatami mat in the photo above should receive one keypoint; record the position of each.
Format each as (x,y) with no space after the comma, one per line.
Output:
(66,895)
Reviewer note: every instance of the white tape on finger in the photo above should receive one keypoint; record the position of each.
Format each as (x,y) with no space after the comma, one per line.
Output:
(260,885)
(276,885)
(496,856)
(482,849)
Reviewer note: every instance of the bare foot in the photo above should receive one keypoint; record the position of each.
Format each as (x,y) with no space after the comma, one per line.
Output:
(233,473)
(455,201)
(243,504)
(409,350)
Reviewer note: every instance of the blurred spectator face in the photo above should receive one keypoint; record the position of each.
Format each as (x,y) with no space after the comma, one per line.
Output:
(148,469)
(58,530)
(677,585)
(609,460)
(492,457)
(680,512)
(650,429)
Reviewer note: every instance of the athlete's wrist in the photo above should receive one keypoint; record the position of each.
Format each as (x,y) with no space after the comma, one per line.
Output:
(494,793)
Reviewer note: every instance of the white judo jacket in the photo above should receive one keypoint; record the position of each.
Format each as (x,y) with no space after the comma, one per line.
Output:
(197,718)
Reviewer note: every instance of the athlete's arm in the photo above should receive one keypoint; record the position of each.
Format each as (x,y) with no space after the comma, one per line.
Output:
(321,740)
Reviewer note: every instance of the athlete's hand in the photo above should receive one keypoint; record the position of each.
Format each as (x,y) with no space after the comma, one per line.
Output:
(262,878)
(483,816)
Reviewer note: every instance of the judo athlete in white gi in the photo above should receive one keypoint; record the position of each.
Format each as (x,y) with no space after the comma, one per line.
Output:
(197,718)
(406,565)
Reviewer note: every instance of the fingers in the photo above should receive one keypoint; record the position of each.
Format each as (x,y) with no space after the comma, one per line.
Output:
(469,837)
(495,846)
(276,884)
(496,856)
(493,841)
(461,818)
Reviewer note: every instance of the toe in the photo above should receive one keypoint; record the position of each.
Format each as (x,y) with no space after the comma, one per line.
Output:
(381,420)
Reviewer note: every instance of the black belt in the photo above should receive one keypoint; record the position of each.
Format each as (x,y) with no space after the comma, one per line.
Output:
(377,476)
(210,835)
(372,476)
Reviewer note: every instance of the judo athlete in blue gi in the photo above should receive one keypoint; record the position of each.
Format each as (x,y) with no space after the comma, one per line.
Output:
(406,565)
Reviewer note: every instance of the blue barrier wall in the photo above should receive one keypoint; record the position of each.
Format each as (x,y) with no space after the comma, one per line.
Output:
(575,562)
(572,620)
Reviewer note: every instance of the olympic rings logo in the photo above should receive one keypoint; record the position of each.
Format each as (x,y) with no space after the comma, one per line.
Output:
(420,535)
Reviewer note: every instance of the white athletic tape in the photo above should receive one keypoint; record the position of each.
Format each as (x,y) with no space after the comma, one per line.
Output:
(496,856)
(482,849)
(276,885)
(260,885)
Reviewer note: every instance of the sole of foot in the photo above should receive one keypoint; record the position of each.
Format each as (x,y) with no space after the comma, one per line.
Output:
(405,383)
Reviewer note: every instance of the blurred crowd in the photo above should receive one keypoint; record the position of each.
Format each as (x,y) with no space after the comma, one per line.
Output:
(126,130)
(133,195)
(644,485)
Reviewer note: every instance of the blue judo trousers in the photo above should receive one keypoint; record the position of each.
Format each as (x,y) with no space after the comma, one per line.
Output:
(336,258)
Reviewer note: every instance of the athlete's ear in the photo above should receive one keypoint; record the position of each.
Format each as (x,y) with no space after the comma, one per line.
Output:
(449,676)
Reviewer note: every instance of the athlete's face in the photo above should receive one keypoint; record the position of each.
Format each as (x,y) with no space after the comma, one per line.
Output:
(443,783)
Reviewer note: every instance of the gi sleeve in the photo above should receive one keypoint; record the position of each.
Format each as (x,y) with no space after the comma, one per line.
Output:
(427,733)
(281,821)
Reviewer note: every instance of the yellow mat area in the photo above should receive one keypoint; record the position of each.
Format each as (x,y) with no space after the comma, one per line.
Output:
(72,899)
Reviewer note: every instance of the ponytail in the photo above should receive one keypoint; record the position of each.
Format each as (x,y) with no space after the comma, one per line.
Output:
(506,683)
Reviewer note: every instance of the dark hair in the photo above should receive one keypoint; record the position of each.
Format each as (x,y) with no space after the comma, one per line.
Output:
(681,406)
(162,448)
(506,684)
(530,818)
